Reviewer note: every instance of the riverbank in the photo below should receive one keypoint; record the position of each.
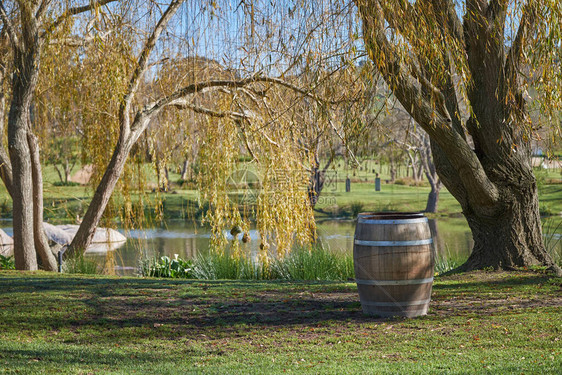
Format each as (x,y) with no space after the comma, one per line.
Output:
(483,322)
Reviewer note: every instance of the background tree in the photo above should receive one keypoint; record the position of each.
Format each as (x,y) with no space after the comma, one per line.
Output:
(485,162)
(414,141)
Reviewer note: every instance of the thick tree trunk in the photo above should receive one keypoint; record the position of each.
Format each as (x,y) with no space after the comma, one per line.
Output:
(392,169)
(24,82)
(67,170)
(101,198)
(512,237)
(22,190)
(509,233)
(48,260)
(317,178)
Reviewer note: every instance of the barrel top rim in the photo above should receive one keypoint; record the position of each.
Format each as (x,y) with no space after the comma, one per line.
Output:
(391,217)
(392,221)
(389,214)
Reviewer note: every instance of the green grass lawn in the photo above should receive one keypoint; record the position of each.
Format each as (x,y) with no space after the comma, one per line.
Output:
(478,323)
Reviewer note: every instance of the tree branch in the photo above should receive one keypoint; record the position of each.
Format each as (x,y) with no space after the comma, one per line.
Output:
(9,27)
(42,9)
(74,11)
(200,87)
(183,104)
(452,19)
(76,41)
(497,10)
(526,28)
(142,64)
(5,164)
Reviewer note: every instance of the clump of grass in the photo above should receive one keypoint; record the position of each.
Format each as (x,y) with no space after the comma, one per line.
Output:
(81,264)
(552,240)
(446,262)
(315,263)
(223,265)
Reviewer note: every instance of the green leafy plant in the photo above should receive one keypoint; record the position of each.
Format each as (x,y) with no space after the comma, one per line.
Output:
(7,263)
(166,267)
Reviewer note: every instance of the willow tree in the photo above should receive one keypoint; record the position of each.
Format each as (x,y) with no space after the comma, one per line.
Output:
(221,132)
(499,49)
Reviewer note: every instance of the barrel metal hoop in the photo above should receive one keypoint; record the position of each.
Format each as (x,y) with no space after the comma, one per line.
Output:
(394,282)
(396,304)
(427,241)
(392,222)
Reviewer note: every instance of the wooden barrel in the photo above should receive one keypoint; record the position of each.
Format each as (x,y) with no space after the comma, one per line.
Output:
(393,259)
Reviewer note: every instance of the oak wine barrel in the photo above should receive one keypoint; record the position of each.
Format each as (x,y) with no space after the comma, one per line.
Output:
(394,262)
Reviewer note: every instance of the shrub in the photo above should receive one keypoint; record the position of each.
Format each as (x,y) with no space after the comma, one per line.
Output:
(217,265)
(65,183)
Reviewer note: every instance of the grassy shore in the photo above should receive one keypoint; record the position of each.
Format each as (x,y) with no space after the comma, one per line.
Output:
(481,322)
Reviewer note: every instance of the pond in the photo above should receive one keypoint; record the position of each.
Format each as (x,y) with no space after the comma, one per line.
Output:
(452,239)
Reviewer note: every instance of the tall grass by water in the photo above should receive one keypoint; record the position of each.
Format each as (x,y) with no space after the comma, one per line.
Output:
(81,264)
(553,239)
(303,263)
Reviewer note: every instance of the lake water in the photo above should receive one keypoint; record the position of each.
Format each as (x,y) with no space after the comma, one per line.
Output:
(452,239)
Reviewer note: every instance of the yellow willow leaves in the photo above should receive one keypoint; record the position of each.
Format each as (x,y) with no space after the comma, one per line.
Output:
(106,70)
(543,73)
(273,186)
(217,157)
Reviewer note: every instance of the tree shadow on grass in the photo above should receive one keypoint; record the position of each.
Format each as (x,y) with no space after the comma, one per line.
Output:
(110,310)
